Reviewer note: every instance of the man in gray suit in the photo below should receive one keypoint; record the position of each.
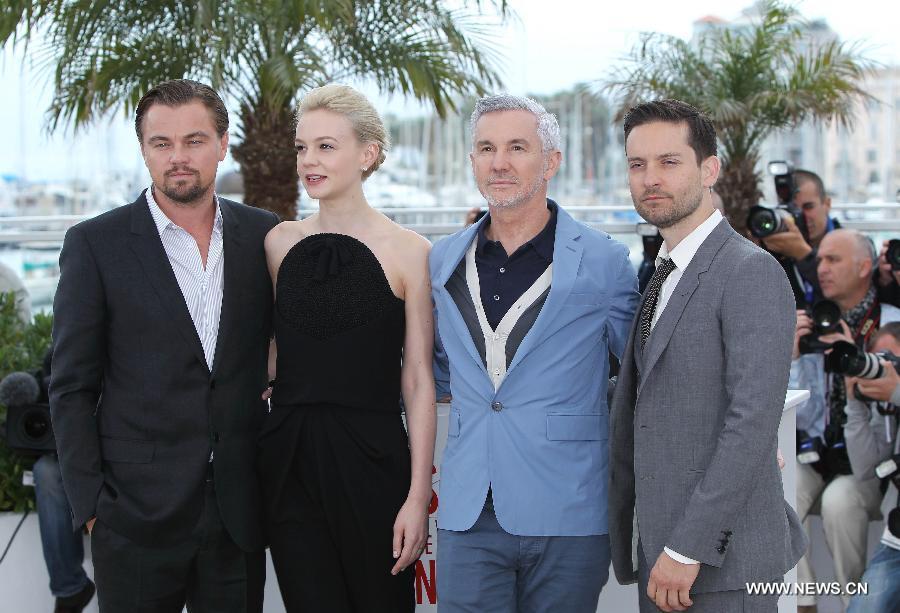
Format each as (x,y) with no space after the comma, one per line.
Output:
(695,416)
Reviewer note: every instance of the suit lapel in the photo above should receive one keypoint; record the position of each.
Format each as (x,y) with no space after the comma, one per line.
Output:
(149,250)
(687,285)
(231,246)
(455,253)
(567,253)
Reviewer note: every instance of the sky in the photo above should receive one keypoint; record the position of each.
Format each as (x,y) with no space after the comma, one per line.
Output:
(548,46)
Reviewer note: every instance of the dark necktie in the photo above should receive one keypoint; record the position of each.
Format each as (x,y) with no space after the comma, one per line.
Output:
(651,297)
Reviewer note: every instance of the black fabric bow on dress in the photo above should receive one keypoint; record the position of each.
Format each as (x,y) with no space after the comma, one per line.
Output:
(330,253)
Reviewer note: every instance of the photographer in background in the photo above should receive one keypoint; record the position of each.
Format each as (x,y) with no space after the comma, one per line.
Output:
(846,260)
(871,435)
(63,549)
(796,252)
(888,276)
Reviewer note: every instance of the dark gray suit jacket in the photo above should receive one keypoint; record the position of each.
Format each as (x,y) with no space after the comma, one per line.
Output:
(134,405)
(694,423)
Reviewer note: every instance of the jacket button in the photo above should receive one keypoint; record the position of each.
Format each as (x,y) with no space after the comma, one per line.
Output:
(721,550)
(212,384)
(497,406)
(215,437)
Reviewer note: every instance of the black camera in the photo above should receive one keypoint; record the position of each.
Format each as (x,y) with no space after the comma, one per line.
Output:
(826,319)
(28,429)
(849,360)
(893,253)
(826,454)
(809,449)
(890,469)
(763,221)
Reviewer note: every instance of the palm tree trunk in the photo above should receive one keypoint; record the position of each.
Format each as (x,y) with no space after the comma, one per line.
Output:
(738,185)
(267,159)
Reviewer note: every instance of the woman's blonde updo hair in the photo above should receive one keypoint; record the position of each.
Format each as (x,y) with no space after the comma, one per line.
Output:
(346,101)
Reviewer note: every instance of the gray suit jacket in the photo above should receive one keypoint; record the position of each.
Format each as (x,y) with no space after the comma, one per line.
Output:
(694,423)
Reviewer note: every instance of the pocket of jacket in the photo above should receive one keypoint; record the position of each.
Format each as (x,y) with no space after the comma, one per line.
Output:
(453,423)
(129,451)
(580,427)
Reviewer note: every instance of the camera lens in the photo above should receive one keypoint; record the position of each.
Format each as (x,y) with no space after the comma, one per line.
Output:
(826,317)
(764,222)
(848,359)
(36,425)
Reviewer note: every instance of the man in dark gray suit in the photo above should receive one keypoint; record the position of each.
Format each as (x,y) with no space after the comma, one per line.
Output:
(161,331)
(695,416)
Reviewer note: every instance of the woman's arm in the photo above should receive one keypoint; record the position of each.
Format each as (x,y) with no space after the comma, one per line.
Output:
(417,386)
(278,242)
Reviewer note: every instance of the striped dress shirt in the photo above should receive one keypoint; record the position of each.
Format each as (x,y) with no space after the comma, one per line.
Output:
(201,287)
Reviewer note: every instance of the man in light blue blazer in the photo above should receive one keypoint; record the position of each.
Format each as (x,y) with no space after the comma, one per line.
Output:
(528,304)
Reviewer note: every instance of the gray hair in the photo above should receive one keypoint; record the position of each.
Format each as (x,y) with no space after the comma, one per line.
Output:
(547,128)
(865,248)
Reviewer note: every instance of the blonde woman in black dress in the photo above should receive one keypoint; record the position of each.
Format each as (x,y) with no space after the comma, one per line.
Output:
(346,490)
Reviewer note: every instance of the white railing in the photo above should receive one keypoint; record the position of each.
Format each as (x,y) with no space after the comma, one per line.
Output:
(438,221)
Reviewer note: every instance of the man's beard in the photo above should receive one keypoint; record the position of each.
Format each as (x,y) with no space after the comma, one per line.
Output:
(184,191)
(664,218)
(513,200)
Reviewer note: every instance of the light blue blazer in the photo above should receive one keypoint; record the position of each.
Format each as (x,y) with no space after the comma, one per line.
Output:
(544,453)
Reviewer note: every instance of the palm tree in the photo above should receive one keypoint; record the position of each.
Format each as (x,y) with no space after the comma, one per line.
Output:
(751,81)
(104,54)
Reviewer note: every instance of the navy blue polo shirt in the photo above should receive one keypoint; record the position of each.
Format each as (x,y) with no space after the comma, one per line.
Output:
(504,278)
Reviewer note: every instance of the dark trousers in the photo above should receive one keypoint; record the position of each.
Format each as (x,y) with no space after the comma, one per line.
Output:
(209,572)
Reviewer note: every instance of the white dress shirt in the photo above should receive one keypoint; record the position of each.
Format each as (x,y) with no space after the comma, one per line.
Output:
(681,256)
(201,286)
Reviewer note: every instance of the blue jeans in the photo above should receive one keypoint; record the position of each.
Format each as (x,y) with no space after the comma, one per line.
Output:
(63,548)
(487,569)
(883,578)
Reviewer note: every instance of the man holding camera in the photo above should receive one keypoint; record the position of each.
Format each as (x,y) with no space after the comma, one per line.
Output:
(871,434)
(888,278)
(824,481)
(797,252)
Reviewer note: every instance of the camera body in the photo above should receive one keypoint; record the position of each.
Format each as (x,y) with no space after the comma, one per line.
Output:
(28,430)
(826,454)
(763,221)
(810,450)
(890,469)
(826,317)
(893,253)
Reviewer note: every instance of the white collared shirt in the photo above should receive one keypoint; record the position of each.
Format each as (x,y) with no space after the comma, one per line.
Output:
(202,287)
(681,256)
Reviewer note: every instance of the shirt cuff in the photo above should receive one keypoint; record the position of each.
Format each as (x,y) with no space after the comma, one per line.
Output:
(678,557)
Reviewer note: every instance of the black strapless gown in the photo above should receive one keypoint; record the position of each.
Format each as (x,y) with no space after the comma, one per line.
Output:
(334,456)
